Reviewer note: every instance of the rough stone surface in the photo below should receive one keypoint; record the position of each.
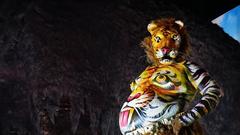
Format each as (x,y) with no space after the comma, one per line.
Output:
(66,66)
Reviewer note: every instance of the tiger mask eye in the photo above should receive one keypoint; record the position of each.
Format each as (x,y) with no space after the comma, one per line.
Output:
(176,37)
(157,39)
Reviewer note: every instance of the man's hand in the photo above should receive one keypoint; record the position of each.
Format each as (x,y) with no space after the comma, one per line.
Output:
(177,125)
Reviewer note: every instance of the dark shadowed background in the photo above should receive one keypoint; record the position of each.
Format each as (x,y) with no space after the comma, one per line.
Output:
(66,65)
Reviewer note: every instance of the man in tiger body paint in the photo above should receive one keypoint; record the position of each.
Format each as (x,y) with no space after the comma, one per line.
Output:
(160,95)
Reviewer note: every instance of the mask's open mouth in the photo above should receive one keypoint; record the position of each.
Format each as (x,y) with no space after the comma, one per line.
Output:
(166,57)
(166,60)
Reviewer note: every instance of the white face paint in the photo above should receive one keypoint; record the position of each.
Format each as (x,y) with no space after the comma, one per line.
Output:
(159,54)
(173,53)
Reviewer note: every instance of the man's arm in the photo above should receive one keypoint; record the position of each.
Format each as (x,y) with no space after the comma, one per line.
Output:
(209,91)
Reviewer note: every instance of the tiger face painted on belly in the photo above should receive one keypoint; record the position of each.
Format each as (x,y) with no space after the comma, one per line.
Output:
(158,96)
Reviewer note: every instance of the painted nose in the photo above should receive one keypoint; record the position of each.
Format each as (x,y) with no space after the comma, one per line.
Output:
(165,50)
(130,98)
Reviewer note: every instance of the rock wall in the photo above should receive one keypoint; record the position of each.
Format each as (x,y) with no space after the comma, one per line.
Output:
(66,66)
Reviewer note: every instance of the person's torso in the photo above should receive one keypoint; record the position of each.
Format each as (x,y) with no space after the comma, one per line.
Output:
(157,96)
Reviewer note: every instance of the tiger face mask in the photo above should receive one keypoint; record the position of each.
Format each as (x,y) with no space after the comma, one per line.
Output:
(165,42)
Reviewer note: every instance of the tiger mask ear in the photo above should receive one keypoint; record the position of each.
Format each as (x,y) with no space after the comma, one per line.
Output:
(180,23)
(151,26)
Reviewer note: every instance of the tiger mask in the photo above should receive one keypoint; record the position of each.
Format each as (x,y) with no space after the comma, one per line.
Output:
(168,42)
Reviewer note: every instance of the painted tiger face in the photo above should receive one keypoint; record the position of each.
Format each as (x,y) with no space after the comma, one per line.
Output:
(130,117)
(165,41)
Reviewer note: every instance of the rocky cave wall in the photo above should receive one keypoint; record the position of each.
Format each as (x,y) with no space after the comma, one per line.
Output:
(66,66)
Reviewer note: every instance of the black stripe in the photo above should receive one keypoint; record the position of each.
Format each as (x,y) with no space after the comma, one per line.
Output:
(200,110)
(210,86)
(201,87)
(183,120)
(162,99)
(212,103)
(213,96)
(198,73)
(217,91)
(204,81)
(193,115)
(206,104)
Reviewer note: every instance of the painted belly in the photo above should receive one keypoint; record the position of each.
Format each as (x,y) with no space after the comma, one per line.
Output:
(143,119)
(155,99)
(158,110)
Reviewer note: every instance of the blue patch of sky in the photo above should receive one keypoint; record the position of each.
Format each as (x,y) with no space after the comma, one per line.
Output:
(230,22)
